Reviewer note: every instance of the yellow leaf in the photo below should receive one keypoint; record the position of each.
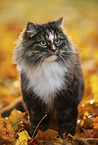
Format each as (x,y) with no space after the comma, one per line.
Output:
(82,122)
(15,118)
(86,114)
(23,138)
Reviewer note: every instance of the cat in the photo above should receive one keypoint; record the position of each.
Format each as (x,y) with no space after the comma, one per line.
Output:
(51,77)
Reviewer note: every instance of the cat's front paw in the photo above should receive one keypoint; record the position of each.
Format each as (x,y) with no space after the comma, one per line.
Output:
(64,131)
(43,127)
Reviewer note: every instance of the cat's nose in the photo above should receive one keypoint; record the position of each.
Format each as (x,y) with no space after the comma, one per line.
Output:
(54,49)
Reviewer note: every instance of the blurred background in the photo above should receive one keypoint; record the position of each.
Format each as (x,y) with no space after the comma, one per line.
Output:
(80,22)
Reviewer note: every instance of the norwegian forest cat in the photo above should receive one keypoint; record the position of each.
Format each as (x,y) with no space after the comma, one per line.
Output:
(51,77)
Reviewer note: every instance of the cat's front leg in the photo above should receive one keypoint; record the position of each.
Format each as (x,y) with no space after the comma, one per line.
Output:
(38,120)
(67,122)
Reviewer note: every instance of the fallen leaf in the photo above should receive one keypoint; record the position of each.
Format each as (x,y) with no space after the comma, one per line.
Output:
(6,132)
(16,118)
(46,137)
(23,138)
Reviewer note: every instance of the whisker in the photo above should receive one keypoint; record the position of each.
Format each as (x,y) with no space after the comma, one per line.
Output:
(68,58)
(36,58)
(71,52)
(63,59)
(39,56)
(64,55)
(37,52)
(71,60)
(66,52)
(41,61)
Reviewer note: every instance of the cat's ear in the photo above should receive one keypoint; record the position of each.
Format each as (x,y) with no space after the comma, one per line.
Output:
(58,23)
(31,29)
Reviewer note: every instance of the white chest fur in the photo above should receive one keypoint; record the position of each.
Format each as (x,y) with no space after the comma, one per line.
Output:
(46,80)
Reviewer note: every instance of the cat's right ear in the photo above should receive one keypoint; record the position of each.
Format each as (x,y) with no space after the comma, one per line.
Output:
(31,29)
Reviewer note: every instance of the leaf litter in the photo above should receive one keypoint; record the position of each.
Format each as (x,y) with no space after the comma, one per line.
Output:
(83,27)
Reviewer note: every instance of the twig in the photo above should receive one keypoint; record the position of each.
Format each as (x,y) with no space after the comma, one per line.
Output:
(37,128)
(91,139)
(78,139)
(19,131)
(11,106)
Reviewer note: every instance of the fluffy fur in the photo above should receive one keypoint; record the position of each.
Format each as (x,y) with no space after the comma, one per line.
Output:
(51,76)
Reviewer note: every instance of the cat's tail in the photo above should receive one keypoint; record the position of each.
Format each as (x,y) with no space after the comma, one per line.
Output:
(18,104)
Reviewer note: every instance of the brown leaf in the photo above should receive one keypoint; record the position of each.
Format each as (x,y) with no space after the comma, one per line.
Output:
(96,126)
(6,132)
(46,137)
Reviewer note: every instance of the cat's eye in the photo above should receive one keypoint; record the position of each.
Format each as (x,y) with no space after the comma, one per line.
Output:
(57,41)
(43,43)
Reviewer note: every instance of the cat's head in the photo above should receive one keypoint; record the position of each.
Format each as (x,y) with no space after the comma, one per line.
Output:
(44,42)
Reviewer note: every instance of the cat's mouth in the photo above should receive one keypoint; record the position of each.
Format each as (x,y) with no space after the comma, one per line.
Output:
(51,58)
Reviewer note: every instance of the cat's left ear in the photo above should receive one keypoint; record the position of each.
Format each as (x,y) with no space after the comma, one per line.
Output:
(31,29)
(58,23)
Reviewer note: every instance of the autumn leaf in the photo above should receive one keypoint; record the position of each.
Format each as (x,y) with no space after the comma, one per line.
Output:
(82,26)
(45,137)
(16,118)
(96,123)
(23,138)
(6,132)
(96,126)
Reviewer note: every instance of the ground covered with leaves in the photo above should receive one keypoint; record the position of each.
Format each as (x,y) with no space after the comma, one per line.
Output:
(81,24)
